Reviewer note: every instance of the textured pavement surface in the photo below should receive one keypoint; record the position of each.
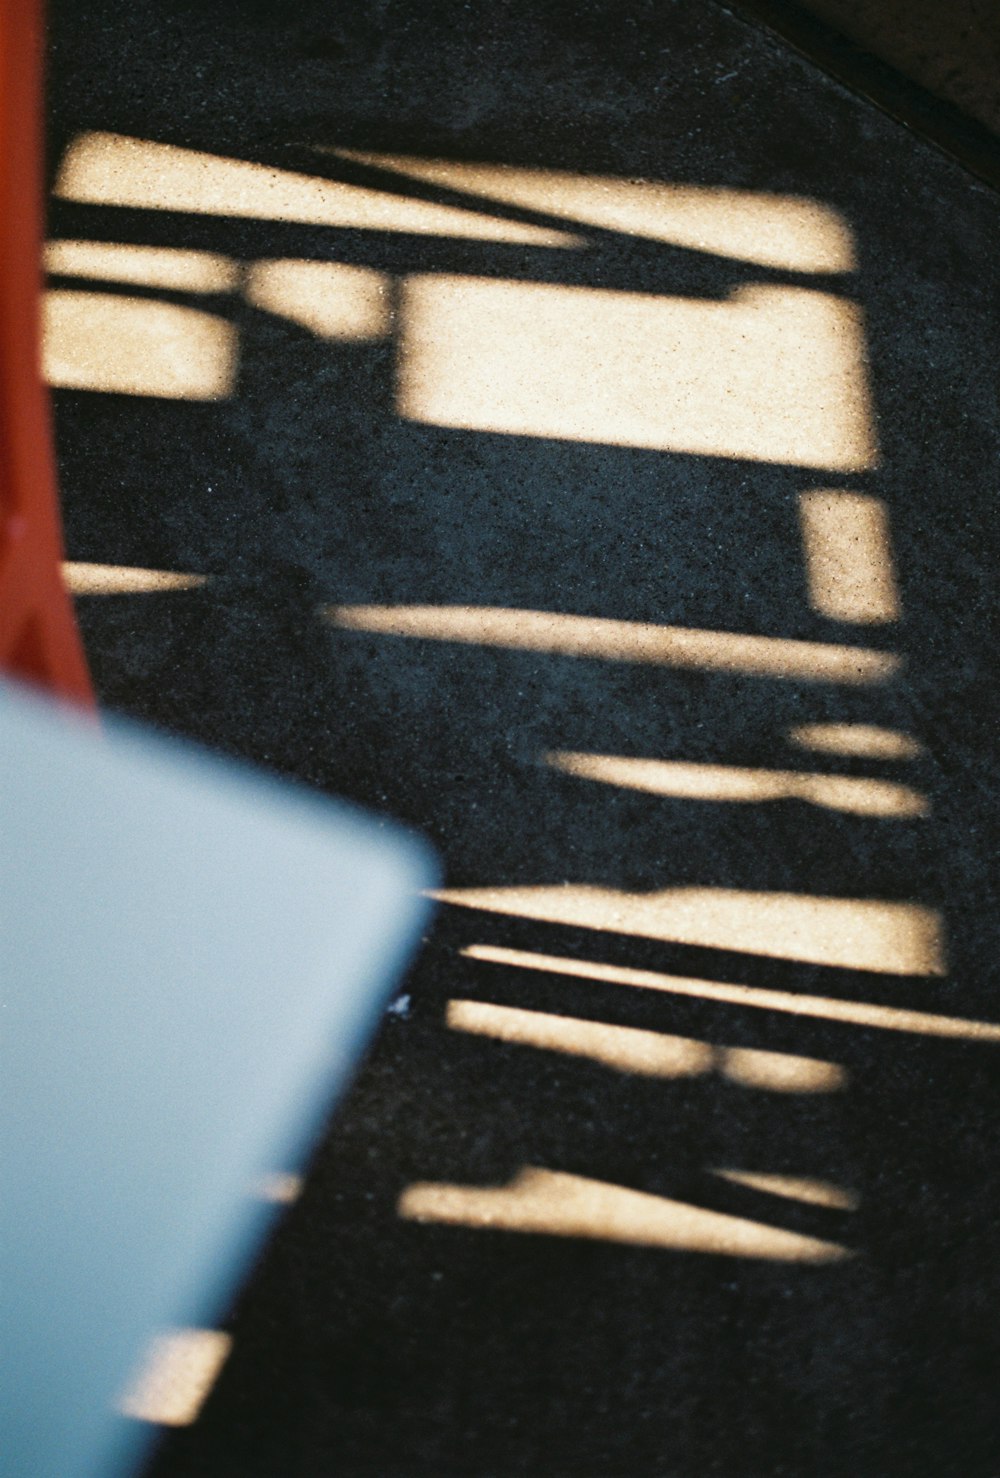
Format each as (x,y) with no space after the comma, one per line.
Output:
(624,519)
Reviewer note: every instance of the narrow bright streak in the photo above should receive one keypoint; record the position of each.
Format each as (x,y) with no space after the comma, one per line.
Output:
(784,231)
(825,1008)
(866,741)
(645,1053)
(152,266)
(552,1203)
(623,641)
(648,1054)
(173,1382)
(794,1188)
(92,579)
(565,636)
(848,554)
(850,933)
(114,169)
(855,795)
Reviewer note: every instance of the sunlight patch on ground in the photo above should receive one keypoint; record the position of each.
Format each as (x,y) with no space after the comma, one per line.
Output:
(645,1053)
(864,741)
(150,266)
(855,795)
(91,579)
(330,299)
(774,374)
(779,1072)
(114,169)
(794,1188)
(791,1003)
(552,1203)
(784,231)
(851,933)
(136,346)
(623,641)
(850,571)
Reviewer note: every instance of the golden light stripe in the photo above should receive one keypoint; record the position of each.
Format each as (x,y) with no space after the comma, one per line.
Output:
(826,1008)
(623,641)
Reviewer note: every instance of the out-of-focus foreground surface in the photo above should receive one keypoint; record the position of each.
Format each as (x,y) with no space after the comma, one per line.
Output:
(573,430)
(155,1079)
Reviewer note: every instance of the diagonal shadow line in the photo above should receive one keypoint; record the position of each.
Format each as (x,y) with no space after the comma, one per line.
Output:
(602,243)
(684,275)
(670,271)
(393,182)
(216,301)
(459,927)
(303,157)
(695,1188)
(722,1024)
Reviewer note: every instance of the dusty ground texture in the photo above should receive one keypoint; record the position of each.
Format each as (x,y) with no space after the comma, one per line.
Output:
(586,1341)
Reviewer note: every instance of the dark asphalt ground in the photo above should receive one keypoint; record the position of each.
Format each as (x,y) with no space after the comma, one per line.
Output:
(368,1344)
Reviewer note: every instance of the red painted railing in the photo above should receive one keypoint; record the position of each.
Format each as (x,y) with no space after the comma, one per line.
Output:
(39,640)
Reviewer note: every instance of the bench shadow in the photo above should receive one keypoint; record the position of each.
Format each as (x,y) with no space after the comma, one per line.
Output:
(370,1342)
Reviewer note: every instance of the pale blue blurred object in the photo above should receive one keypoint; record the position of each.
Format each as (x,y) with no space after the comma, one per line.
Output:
(191,959)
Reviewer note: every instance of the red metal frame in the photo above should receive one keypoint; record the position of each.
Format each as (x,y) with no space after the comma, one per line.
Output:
(39,640)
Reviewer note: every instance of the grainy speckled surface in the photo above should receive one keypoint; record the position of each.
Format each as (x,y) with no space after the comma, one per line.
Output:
(369,1346)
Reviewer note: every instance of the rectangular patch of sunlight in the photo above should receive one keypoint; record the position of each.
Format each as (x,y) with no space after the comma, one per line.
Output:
(794,1188)
(114,169)
(623,641)
(864,741)
(784,231)
(646,1053)
(824,1008)
(330,299)
(152,266)
(773,374)
(855,795)
(850,933)
(136,346)
(179,1370)
(850,571)
(90,579)
(554,1204)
